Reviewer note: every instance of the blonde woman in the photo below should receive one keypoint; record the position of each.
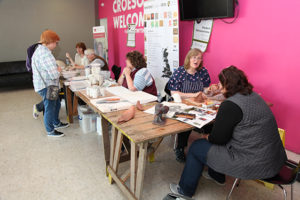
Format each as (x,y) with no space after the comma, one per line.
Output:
(188,81)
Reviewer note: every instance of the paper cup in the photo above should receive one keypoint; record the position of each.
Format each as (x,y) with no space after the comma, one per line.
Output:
(177,98)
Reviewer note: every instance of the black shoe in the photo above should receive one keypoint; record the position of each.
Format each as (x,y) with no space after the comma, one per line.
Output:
(61,125)
(56,134)
(180,157)
(206,175)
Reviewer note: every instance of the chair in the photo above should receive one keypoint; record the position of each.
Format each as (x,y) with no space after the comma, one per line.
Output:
(117,71)
(286,176)
(168,96)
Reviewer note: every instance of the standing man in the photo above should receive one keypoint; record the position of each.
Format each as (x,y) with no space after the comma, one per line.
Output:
(46,73)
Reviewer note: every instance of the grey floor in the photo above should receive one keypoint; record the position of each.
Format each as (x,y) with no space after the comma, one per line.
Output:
(33,166)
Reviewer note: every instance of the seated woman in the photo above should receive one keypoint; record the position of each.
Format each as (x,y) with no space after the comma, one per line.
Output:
(244,142)
(97,60)
(188,81)
(80,59)
(135,75)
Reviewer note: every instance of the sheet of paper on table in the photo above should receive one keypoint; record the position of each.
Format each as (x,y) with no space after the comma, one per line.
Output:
(131,96)
(105,105)
(203,115)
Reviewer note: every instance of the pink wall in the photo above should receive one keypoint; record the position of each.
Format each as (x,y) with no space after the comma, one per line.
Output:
(263,42)
(117,37)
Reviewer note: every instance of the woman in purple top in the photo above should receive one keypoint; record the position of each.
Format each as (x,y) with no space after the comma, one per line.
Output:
(188,81)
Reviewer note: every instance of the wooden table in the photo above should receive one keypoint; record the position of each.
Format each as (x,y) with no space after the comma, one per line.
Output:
(71,104)
(144,138)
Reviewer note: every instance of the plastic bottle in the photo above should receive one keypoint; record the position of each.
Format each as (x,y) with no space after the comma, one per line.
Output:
(67,62)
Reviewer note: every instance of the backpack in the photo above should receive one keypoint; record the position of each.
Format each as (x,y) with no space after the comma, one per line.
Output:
(30,51)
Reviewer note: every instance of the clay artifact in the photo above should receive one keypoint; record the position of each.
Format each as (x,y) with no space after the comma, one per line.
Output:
(200,98)
(139,106)
(127,115)
(160,110)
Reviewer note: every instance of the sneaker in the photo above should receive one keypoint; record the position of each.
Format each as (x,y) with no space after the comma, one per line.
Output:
(175,189)
(56,133)
(206,175)
(35,112)
(179,153)
(61,125)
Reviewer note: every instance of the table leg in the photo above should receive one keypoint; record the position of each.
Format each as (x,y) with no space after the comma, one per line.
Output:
(133,166)
(105,140)
(117,151)
(69,104)
(152,150)
(141,169)
(75,105)
(113,141)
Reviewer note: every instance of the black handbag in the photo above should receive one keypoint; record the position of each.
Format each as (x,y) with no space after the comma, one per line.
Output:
(52,92)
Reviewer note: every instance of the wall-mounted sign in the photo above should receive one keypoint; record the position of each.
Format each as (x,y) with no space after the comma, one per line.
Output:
(201,34)
(131,35)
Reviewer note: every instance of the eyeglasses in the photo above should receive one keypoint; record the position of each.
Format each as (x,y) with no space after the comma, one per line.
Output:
(196,58)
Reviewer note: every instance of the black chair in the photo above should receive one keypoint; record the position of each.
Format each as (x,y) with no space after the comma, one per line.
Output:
(117,71)
(168,96)
(286,176)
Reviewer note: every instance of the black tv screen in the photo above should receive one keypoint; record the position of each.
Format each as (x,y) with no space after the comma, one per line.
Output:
(205,9)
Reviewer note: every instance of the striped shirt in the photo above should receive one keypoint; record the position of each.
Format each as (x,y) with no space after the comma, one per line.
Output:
(44,64)
(142,79)
(180,77)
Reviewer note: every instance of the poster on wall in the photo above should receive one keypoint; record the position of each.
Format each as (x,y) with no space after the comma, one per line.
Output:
(161,32)
(100,41)
(131,35)
(201,34)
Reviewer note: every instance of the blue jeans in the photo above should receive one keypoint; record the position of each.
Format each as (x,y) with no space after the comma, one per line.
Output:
(196,159)
(51,112)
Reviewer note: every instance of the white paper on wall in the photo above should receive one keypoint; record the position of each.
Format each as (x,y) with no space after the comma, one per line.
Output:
(201,34)
(161,27)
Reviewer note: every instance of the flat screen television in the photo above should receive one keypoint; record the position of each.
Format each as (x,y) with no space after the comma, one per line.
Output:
(205,9)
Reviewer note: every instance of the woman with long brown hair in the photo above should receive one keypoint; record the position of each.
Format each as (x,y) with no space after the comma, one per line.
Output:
(244,142)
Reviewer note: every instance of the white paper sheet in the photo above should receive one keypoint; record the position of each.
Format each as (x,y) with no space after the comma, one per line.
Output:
(110,107)
(131,96)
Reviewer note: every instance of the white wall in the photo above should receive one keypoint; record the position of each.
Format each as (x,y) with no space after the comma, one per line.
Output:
(23,21)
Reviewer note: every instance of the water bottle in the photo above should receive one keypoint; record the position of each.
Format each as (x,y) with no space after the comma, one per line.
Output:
(67,62)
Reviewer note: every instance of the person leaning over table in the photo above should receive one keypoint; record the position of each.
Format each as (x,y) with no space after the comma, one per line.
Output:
(244,142)
(135,75)
(97,60)
(80,58)
(188,81)
(46,73)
